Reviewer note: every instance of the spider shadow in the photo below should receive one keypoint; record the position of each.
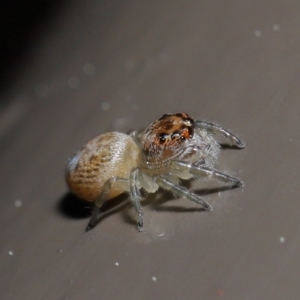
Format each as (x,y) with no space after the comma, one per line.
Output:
(155,201)
(158,205)
(72,207)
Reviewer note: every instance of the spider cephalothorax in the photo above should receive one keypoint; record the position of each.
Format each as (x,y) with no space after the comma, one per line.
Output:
(165,138)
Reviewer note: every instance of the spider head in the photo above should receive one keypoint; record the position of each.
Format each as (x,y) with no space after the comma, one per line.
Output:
(167,137)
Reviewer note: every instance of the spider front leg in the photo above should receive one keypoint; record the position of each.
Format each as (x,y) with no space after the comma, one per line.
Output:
(215,128)
(100,200)
(202,171)
(181,191)
(135,197)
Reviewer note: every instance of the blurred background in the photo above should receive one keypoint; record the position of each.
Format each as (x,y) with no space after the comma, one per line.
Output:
(71,70)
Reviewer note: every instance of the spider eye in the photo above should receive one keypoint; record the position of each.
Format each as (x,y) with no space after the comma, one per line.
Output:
(162,138)
(175,135)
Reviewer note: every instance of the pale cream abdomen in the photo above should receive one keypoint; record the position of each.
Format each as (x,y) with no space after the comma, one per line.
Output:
(107,155)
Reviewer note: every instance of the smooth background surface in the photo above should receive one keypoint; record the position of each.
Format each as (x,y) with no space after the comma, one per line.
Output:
(88,67)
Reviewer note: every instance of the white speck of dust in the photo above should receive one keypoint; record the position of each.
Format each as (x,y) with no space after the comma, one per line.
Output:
(73,82)
(282,239)
(276,27)
(89,69)
(117,264)
(10,253)
(154,279)
(258,33)
(105,106)
(18,203)
(41,90)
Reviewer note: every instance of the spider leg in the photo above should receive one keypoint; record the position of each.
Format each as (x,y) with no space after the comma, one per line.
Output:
(215,128)
(202,171)
(135,197)
(100,200)
(181,191)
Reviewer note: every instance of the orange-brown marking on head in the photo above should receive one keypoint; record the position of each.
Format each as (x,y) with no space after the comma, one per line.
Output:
(168,132)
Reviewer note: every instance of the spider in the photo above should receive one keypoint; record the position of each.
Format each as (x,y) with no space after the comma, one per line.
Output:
(171,148)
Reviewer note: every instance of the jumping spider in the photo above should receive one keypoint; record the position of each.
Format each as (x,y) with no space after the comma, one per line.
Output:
(171,148)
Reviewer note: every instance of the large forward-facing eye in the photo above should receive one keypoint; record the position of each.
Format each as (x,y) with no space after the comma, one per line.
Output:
(162,138)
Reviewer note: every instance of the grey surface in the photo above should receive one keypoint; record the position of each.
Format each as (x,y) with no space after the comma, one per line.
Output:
(233,62)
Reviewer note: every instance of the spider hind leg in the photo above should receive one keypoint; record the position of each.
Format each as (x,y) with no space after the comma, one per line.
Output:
(100,200)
